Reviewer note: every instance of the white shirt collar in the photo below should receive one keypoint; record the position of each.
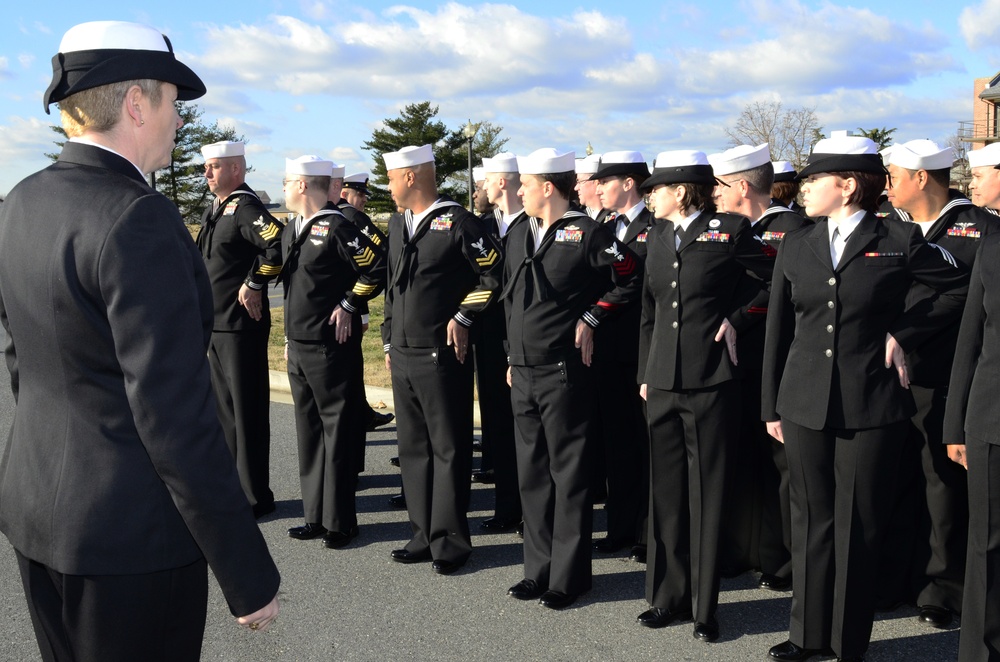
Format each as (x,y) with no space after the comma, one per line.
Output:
(846,225)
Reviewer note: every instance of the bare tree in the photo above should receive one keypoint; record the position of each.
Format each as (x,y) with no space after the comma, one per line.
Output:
(961,173)
(790,133)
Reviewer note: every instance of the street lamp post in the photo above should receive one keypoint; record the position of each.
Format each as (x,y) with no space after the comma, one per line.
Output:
(469,131)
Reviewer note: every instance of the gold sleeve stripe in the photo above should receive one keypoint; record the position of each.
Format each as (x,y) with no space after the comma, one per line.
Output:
(366,257)
(477,297)
(488,260)
(270,232)
(362,289)
(375,239)
(269,269)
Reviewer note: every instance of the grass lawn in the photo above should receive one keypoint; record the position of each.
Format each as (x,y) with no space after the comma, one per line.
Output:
(371,344)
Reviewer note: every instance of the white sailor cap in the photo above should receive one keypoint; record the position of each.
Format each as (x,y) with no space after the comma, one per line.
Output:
(739,158)
(843,153)
(309,165)
(337,171)
(546,161)
(408,157)
(985,156)
(588,165)
(503,162)
(358,181)
(921,154)
(223,149)
(478,173)
(681,166)
(784,171)
(103,52)
(623,163)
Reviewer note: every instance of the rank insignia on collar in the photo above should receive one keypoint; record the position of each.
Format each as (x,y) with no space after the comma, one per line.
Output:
(230,208)
(319,230)
(772,236)
(714,236)
(966,230)
(442,223)
(569,235)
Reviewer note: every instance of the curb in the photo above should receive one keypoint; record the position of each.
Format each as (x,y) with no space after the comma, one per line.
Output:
(282,392)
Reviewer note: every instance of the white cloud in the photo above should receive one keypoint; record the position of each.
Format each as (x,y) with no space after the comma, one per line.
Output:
(344,155)
(252,131)
(980,24)
(25,60)
(23,144)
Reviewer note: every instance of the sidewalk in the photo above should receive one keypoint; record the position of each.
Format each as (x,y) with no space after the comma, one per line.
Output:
(281,392)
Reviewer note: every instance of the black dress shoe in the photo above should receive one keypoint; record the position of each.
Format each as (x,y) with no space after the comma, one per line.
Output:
(934,616)
(526,589)
(498,524)
(406,556)
(445,567)
(638,553)
(790,652)
(706,631)
(608,545)
(378,420)
(394,461)
(556,599)
(658,618)
(398,501)
(484,477)
(262,509)
(307,532)
(335,539)
(774,583)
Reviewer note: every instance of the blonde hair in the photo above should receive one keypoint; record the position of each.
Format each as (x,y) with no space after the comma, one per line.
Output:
(98,109)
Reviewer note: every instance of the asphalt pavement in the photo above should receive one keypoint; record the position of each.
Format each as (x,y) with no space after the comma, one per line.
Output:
(357,604)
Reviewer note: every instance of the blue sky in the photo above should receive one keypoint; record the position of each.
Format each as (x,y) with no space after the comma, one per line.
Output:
(317,76)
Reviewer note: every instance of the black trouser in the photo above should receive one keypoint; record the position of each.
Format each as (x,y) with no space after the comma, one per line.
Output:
(841,484)
(321,377)
(497,416)
(980,639)
(154,617)
(625,442)
(756,529)
(238,363)
(690,438)
(554,457)
(432,393)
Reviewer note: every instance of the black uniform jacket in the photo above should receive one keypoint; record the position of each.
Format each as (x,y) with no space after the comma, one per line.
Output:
(959,230)
(719,272)
(771,227)
(450,268)
(241,243)
(116,463)
(367,227)
(618,338)
(566,280)
(824,356)
(975,380)
(330,263)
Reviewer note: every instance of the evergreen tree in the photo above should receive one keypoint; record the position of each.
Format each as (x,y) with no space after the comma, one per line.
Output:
(416,126)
